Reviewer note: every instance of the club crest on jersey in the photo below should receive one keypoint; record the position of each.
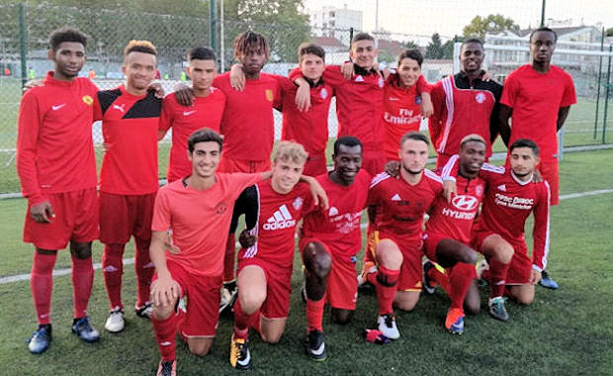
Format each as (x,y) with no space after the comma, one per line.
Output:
(465,203)
(480,97)
(221,208)
(381,82)
(269,95)
(323,93)
(418,100)
(333,211)
(297,204)
(479,190)
(88,100)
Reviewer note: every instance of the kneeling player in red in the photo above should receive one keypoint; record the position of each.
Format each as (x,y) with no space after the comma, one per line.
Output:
(330,242)
(396,209)
(198,209)
(448,234)
(511,197)
(265,263)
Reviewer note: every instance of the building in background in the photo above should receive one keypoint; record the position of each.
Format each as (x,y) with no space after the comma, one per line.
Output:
(335,22)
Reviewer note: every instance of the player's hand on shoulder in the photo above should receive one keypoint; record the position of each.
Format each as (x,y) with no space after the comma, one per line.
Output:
(246,239)
(426,107)
(537,177)
(43,212)
(157,89)
(486,76)
(450,189)
(392,168)
(184,95)
(303,95)
(237,77)
(164,291)
(347,70)
(32,84)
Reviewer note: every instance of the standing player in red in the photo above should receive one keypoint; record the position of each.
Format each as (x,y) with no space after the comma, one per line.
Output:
(129,177)
(448,234)
(309,128)
(205,112)
(498,233)
(265,265)
(198,208)
(464,104)
(56,165)
(330,242)
(401,102)
(396,209)
(537,97)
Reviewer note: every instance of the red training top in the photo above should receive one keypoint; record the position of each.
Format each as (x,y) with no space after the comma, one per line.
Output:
(55,150)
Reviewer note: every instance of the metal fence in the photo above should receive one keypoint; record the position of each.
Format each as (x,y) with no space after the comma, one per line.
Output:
(24,32)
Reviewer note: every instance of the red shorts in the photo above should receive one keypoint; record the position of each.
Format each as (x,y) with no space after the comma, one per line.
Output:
(198,304)
(550,172)
(411,269)
(342,290)
(316,165)
(229,165)
(373,161)
(122,216)
(278,287)
(431,241)
(76,219)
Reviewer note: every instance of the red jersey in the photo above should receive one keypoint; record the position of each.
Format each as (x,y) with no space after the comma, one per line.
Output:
(339,227)
(401,206)
(308,128)
(462,107)
(507,205)
(401,114)
(206,112)
(277,216)
(130,128)
(536,99)
(455,219)
(199,220)
(55,150)
(248,124)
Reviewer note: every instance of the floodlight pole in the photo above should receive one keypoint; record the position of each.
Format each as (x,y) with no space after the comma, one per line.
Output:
(543,14)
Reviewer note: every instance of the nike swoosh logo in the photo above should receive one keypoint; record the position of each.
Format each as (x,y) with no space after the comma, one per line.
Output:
(187,113)
(166,343)
(320,349)
(57,107)
(246,361)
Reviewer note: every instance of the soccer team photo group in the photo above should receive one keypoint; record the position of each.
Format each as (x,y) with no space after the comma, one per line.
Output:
(365,214)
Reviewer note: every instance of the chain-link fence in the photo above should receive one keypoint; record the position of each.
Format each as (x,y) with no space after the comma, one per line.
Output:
(24,32)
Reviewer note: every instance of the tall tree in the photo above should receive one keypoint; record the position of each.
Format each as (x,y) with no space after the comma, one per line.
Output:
(435,48)
(479,26)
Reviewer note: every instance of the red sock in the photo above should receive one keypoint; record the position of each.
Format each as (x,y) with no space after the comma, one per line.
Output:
(112,270)
(165,336)
(228,261)
(144,270)
(315,314)
(41,285)
(460,278)
(442,279)
(241,321)
(386,289)
(497,276)
(82,282)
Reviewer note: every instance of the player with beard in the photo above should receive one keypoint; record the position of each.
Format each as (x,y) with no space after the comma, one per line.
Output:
(396,209)
(511,196)
(448,235)
(537,98)
(56,165)
(330,242)
(464,104)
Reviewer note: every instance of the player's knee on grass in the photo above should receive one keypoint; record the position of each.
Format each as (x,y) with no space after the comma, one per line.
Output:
(406,300)
(388,254)
(199,346)
(494,246)
(472,301)
(317,260)
(82,251)
(341,316)
(272,330)
(449,252)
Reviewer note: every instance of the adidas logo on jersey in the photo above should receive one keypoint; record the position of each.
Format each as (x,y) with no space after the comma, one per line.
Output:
(396,197)
(280,220)
(502,187)
(359,79)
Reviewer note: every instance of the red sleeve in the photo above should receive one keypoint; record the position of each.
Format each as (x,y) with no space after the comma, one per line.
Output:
(308,206)
(569,97)
(452,168)
(29,122)
(166,117)
(437,96)
(97,108)
(332,76)
(278,100)
(540,232)
(161,211)
(240,181)
(509,91)
(373,194)
(422,85)
(284,82)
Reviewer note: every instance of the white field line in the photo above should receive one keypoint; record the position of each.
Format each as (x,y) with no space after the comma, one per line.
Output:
(97,266)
